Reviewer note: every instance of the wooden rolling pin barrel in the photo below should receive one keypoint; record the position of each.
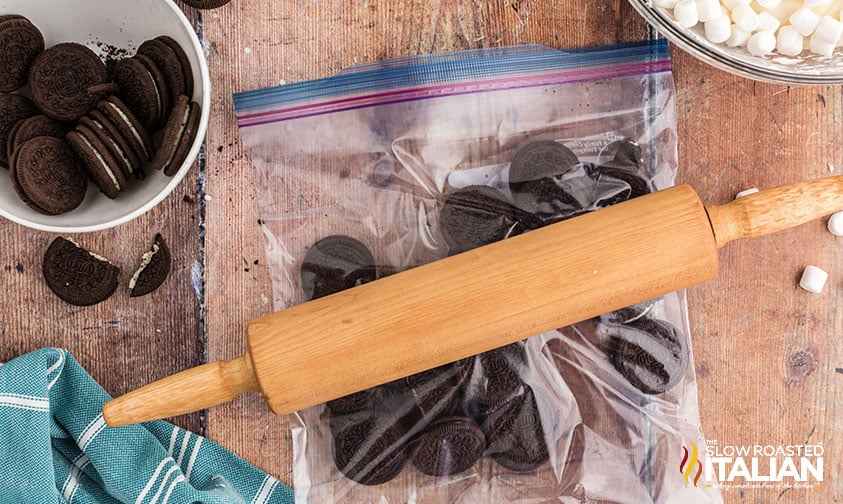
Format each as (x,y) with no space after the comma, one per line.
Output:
(480,300)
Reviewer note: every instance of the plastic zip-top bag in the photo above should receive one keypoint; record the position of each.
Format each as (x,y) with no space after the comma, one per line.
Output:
(391,165)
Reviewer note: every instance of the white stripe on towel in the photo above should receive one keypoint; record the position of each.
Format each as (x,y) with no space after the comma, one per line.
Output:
(163,483)
(152,479)
(175,482)
(193,457)
(267,486)
(25,402)
(91,431)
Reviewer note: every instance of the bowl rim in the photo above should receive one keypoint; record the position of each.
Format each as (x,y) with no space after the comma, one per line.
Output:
(721,59)
(176,179)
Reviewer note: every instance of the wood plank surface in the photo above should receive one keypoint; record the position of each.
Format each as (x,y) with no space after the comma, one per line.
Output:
(769,358)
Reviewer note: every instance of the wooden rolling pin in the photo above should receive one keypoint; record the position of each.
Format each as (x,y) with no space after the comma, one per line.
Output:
(480,300)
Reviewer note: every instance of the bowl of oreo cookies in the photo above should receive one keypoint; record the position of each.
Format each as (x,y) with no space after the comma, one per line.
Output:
(103,109)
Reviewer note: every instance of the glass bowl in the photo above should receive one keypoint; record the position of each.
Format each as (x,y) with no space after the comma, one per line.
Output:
(804,69)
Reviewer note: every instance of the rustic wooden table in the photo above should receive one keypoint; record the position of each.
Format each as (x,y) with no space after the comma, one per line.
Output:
(769,357)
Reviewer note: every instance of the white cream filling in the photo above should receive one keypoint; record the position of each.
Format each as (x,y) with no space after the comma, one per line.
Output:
(157,93)
(122,154)
(102,162)
(145,260)
(95,256)
(178,136)
(131,128)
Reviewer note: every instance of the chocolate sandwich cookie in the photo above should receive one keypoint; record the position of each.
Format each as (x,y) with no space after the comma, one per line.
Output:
(449,446)
(178,136)
(101,166)
(475,216)
(143,89)
(169,64)
(124,148)
(627,151)
(335,263)
(493,381)
(121,156)
(537,182)
(62,79)
(620,182)
(47,176)
(516,436)
(368,399)
(13,109)
(184,61)
(128,126)
(77,276)
(206,4)
(32,127)
(629,314)
(153,269)
(188,137)
(20,43)
(369,449)
(651,354)
(435,392)
(538,160)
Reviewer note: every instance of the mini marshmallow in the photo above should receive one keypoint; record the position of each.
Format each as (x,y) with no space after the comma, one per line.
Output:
(813,279)
(738,37)
(761,43)
(805,21)
(829,30)
(718,29)
(666,4)
(745,17)
(686,13)
(768,22)
(835,224)
(821,47)
(731,4)
(789,41)
(769,4)
(709,9)
(817,3)
(746,192)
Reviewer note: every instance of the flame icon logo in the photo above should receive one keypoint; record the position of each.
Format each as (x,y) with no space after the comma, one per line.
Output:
(689,462)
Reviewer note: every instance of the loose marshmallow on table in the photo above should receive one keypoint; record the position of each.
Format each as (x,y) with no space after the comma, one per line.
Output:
(835,224)
(746,192)
(813,279)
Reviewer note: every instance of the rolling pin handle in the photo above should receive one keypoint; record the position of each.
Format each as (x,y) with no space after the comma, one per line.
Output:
(191,390)
(776,209)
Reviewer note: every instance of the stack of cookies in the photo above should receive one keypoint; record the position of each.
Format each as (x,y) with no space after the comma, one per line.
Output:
(442,420)
(71,120)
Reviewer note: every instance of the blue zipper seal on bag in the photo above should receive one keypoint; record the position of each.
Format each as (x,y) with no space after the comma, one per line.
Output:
(426,77)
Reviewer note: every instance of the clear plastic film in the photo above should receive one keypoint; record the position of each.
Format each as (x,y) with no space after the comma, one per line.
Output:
(392,165)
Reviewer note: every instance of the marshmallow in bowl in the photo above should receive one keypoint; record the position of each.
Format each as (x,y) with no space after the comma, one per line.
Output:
(764,27)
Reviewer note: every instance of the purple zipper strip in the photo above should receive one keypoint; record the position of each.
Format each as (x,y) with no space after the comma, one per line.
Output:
(443,90)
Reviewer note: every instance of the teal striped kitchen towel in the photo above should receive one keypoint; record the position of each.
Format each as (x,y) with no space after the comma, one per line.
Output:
(56,448)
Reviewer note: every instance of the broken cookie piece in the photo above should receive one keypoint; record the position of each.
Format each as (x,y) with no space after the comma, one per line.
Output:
(77,276)
(153,269)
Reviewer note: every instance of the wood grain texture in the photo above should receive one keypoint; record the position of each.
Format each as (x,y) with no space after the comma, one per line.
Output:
(768,356)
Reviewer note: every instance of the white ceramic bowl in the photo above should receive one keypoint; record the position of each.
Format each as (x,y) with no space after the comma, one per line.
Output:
(802,69)
(123,24)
